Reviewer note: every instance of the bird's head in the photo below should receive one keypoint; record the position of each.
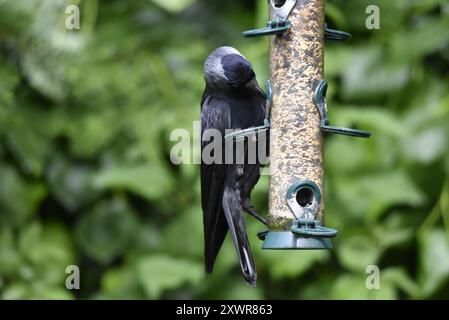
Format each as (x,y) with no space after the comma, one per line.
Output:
(227,69)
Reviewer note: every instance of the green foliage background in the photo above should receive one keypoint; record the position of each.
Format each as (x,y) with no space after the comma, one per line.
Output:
(85,121)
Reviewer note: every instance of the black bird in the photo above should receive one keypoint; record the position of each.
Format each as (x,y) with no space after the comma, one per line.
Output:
(232,99)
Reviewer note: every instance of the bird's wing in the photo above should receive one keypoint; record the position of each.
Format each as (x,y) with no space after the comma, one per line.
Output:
(214,114)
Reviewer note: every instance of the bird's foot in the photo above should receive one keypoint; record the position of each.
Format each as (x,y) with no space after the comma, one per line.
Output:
(262,235)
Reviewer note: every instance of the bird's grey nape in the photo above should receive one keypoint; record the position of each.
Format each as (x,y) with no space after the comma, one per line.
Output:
(213,68)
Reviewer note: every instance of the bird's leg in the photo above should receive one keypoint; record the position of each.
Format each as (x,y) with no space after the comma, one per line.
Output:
(256,215)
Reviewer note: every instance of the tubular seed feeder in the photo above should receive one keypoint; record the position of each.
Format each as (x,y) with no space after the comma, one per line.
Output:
(298,124)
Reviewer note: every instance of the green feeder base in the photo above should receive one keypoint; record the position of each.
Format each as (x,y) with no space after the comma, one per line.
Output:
(287,240)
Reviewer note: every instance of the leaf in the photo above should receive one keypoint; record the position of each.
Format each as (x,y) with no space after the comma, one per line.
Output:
(358,252)
(370,118)
(71,183)
(18,199)
(121,283)
(44,72)
(145,180)
(23,291)
(369,75)
(433,261)
(16,16)
(335,14)
(426,146)
(53,293)
(353,287)
(346,157)
(45,64)
(159,273)
(370,195)
(90,133)
(360,155)
(15,291)
(173,5)
(193,234)
(105,232)
(395,231)
(283,264)
(239,290)
(10,259)
(8,82)
(29,137)
(428,32)
(398,277)
(48,250)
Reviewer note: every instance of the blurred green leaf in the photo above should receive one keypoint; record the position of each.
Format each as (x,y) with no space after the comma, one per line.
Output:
(105,232)
(44,74)
(353,287)
(239,290)
(121,283)
(173,5)
(368,73)
(335,13)
(426,146)
(9,81)
(177,245)
(28,137)
(428,32)
(48,250)
(400,279)
(148,181)
(370,195)
(395,231)
(71,183)
(433,261)
(10,259)
(158,273)
(18,199)
(288,264)
(356,253)
(15,291)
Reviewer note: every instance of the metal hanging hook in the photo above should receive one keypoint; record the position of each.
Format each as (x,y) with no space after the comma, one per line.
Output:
(320,102)
(280,10)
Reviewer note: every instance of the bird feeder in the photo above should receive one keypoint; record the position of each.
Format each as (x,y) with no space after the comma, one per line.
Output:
(298,124)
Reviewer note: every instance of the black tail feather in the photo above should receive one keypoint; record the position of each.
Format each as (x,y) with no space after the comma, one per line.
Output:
(234,215)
